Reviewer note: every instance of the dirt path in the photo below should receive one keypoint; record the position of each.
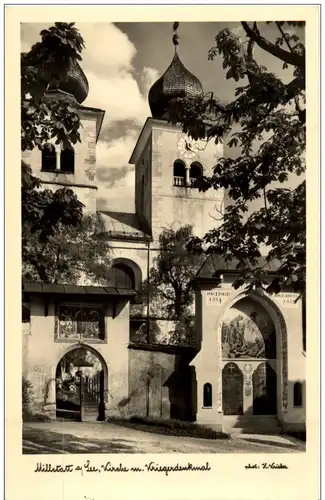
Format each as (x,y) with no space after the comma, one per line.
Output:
(103,437)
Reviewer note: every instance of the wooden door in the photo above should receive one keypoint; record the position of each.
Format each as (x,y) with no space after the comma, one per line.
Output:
(232,389)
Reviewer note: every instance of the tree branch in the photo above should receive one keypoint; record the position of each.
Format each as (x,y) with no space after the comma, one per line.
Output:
(283,55)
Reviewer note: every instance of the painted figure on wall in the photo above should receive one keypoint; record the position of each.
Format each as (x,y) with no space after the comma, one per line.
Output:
(248,332)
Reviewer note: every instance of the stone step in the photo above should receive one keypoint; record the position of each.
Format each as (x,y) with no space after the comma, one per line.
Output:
(261,424)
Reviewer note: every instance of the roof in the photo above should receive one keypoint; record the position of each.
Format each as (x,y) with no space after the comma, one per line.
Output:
(123,225)
(215,264)
(56,289)
(177,81)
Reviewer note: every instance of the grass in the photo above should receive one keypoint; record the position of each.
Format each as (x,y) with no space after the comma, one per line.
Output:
(29,416)
(169,427)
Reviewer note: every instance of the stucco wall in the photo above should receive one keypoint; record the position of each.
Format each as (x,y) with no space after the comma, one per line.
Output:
(44,351)
(83,181)
(213,305)
(159,385)
(176,206)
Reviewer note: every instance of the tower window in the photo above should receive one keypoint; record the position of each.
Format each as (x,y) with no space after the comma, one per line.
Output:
(207,395)
(179,174)
(67,161)
(48,158)
(297,394)
(196,171)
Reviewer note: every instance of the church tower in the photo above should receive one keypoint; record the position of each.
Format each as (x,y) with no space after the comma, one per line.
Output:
(168,162)
(73,167)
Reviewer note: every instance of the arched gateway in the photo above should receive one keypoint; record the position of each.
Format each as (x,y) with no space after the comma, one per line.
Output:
(81,384)
(253,359)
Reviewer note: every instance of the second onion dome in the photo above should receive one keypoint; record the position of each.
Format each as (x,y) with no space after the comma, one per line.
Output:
(177,81)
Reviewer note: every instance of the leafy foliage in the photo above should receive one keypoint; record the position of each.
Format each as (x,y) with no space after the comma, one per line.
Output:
(169,285)
(43,66)
(58,243)
(270,115)
(68,254)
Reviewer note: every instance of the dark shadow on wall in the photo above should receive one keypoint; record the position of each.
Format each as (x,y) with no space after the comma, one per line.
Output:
(182,390)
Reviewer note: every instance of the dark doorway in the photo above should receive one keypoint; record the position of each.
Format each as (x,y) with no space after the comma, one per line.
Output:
(80,381)
(264,390)
(232,389)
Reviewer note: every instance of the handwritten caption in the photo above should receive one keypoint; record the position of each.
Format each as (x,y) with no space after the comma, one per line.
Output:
(88,467)
(266,465)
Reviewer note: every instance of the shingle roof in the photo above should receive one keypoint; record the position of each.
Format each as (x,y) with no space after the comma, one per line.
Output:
(123,225)
(215,264)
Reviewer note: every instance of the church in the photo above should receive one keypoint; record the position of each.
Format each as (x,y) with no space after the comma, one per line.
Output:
(86,348)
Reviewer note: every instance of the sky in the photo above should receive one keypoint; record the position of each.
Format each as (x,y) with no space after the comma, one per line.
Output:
(121,62)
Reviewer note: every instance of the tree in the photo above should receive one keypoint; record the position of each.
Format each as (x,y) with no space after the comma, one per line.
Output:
(42,67)
(59,244)
(169,287)
(67,255)
(169,284)
(270,115)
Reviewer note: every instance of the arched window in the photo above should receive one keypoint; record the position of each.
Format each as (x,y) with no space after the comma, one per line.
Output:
(207,395)
(48,158)
(67,160)
(297,394)
(196,172)
(122,276)
(179,173)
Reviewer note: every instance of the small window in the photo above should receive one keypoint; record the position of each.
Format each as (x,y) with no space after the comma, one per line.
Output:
(297,394)
(179,174)
(48,158)
(67,161)
(207,395)
(196,171)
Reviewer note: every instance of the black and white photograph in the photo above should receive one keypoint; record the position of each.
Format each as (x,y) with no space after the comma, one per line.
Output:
(162,252)
(163,237)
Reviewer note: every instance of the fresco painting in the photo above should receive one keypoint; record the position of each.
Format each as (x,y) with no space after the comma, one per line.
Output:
(248,332)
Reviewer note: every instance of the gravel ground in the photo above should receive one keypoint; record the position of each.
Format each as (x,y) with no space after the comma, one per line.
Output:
(103,437)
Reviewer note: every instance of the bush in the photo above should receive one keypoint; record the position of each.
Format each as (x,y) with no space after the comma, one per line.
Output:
(169,427)
(27,396)
(27,402)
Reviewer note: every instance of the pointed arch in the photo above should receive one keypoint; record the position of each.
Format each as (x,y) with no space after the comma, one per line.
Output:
(281,337)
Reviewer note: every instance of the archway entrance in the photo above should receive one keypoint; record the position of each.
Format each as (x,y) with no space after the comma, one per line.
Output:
(249,360)
(80,385)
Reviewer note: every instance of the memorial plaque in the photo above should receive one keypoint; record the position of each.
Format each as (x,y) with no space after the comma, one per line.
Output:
(232,390)
(217,297)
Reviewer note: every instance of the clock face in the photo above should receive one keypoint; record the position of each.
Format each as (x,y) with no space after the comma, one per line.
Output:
(188,148)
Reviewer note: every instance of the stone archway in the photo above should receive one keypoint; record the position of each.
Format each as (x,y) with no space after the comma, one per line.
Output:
(279,364)
(81,384)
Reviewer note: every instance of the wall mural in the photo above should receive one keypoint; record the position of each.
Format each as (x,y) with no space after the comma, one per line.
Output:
(248,332)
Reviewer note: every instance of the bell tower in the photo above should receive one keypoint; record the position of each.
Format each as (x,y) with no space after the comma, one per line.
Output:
(168,162)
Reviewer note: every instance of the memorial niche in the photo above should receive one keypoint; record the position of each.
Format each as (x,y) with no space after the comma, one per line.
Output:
(248,332)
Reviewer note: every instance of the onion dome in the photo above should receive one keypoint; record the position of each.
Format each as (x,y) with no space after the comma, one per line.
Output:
(75,86)
(177,81)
